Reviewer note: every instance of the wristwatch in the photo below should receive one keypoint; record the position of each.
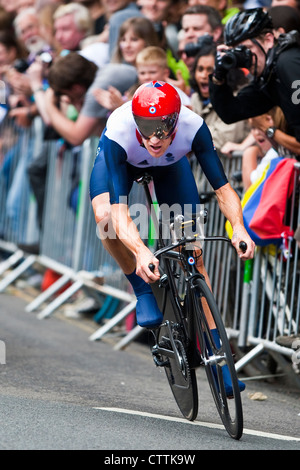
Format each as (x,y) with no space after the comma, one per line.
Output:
(270,132)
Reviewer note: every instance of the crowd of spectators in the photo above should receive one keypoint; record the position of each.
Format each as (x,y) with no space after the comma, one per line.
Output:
(72,63)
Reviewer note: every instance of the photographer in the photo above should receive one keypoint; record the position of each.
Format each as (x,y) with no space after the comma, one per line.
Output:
(275,69)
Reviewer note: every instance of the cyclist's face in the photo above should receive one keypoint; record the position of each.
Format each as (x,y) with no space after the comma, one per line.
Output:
(155,146)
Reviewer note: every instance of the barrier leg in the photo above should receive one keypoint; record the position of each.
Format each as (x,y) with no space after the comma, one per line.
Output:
(131,336)
(113,322)
(11,261)
(249,357)
(13,275)
(60,300)
(47,293)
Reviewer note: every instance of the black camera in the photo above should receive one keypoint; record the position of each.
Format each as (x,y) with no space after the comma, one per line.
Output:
(21,65)
(192,48)
(239,57)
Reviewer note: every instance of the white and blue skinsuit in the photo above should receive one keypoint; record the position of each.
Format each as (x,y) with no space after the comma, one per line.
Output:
(122,158)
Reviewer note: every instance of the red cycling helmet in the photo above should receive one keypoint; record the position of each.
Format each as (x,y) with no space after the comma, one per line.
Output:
(155,107)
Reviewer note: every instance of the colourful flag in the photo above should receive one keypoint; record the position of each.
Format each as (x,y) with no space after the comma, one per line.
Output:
(265,202)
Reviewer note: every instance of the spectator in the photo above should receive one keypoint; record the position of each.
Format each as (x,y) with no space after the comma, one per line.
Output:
(166,17)
(274,67)
(151,64)
(10,7)
(46,22)
(118,11)
(27,29)
(6,19)
(200,101)
(67,77)
(10,50)
(72,78)
(284,19)
(196,22)
(291,3)
(73,24)
(29,35)
(256,157)
(97,13)
(199,20)
(286,144)
(135,34)
(221,6)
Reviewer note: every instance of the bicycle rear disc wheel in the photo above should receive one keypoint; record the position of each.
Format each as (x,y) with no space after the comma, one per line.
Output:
(181,378)
(215,357)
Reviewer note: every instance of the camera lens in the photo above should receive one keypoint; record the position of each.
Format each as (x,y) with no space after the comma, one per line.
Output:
(229,60)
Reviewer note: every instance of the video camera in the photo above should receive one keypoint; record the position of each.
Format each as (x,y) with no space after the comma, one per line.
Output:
(192,48)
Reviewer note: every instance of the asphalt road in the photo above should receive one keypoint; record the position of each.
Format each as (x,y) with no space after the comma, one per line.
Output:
(60,391)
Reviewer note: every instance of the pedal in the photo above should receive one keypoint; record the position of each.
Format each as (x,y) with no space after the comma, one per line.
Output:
(160,363)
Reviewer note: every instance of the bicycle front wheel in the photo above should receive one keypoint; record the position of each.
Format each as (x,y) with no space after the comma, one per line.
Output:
(218,361)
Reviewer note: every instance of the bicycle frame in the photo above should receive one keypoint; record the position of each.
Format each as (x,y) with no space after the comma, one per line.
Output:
(181,256)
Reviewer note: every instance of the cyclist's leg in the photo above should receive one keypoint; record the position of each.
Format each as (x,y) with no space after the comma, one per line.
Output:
(99,191)
(147,311)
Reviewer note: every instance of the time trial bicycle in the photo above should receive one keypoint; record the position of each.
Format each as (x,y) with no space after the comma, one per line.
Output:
(184,342)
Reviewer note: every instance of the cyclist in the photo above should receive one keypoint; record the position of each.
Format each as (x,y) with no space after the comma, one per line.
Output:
(274,65)
(153,133)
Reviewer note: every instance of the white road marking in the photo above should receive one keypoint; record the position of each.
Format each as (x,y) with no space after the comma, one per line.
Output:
(198,423)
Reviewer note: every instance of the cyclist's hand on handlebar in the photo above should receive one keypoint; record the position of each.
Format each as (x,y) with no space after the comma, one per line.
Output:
(143,269)
(243,244)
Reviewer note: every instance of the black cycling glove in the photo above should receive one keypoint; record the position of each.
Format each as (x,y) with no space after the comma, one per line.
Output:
(220,72)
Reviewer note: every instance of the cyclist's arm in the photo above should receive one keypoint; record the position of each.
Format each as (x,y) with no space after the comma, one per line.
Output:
(208,158)
(228,200)
(230,206)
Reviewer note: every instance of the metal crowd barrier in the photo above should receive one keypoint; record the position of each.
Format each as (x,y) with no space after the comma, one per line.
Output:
(259,300)
(272,302)
(18,208)
(68,241)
